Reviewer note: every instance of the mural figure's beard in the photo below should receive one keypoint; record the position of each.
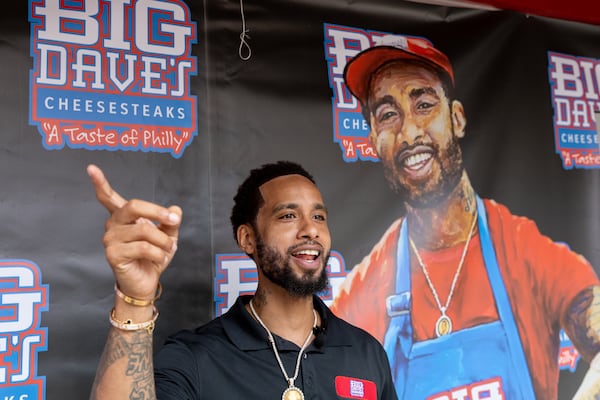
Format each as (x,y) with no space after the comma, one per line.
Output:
(429,194)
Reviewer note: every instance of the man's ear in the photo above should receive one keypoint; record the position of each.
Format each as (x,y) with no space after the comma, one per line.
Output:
(246,238)
(459,119)
(373,138)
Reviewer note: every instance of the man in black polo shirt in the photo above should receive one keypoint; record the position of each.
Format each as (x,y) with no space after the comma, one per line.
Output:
(283,342)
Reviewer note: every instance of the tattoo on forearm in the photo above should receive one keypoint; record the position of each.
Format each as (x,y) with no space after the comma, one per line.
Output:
(136,350)
(143,388)
(139,360)
(139,367)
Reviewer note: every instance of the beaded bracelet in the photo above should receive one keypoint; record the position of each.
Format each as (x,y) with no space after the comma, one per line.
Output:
(128,325)
(137,302)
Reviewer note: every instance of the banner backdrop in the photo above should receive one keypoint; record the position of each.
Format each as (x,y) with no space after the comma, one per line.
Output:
(176,105)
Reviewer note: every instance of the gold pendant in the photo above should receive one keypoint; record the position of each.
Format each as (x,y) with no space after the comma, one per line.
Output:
(292,393)
(443,326)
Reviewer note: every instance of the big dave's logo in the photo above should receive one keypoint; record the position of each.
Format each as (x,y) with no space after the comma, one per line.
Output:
(574,85)
(113,74)
(350,129)
(22,300)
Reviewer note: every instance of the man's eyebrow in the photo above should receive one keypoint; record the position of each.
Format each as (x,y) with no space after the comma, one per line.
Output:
(414,93)
(421,91)
(387,99)
(320,207)
(294,206)
(285,206)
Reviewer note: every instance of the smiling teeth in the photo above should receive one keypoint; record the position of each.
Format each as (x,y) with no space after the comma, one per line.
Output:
(308,252)
(417,159)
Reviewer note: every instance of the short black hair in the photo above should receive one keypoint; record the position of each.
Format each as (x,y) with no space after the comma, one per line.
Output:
(248,199)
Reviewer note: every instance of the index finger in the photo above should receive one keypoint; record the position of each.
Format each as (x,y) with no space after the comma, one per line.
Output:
(172,227)
(110,199)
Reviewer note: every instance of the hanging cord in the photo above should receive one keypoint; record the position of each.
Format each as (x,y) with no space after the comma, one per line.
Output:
(244,36)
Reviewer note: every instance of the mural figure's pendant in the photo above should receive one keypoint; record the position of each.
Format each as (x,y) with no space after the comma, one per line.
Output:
(443,326)
(292,393)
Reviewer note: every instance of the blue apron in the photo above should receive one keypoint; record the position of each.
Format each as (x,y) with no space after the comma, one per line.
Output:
(461,360)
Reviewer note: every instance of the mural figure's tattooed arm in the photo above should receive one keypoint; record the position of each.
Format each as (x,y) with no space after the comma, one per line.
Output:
(582,324)
(140,241)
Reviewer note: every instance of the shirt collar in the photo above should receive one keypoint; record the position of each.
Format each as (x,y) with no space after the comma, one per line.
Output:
(248,335)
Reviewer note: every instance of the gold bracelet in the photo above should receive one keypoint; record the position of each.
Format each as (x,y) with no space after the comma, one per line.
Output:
(128,324)
(137,302)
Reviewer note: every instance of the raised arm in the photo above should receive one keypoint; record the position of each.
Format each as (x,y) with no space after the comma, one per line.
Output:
(582,324)
(140,240)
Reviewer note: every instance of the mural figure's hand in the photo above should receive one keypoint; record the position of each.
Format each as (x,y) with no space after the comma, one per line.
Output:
(140,238)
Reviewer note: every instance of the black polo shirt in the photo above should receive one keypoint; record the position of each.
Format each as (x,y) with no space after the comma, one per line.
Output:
(230,358)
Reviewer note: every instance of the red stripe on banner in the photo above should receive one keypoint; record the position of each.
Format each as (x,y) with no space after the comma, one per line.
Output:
(354,388)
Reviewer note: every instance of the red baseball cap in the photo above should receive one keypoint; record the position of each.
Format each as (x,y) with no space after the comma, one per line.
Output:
(358,71)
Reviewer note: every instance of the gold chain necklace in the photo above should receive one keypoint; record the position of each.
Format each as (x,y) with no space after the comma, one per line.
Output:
(443,326)
(292,392)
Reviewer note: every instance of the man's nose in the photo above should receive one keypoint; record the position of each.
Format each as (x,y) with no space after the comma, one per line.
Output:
(410,130)
(308,229)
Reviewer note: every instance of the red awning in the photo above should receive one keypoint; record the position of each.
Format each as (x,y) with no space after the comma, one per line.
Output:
(587,11)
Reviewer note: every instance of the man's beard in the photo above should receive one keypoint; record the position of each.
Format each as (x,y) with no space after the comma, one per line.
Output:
(278,270)
(428,194)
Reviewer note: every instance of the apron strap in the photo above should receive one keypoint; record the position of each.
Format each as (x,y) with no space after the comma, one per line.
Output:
(517,355)
(398,338)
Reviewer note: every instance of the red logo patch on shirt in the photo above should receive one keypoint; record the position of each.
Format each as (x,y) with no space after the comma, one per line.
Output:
(355,388)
